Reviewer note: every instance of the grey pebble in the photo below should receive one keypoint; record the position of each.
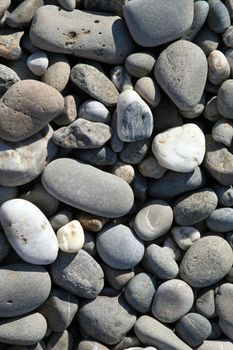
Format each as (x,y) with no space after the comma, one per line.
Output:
(106,319)
(89,244)
(223,303)
(69,113)
(223,131)
(206,262)
(78,274)
(175,183)
(191,208)
(90,345)
(59,309)
(224,99)
(160,262)
(201,9)
(95,83)
(116,144)
(4,6)
(139,292)
(218,16)
(149,33)
(7,78)
(119,247)
(226,328)
(150,167)
(94,111)
(211,111)
(228,37)
(229,5)
(68,5)
(83,34)
(114,6)
(21,69)
(134,152)
(140,64)
(23,13)
(57,63)
(149,90)
(181,71)
(60,341)
(117,278)
(60,179)
(120,78)
(196,111)
(205,303)
(82,134)
(97,156)
(193,329)
(154,220)
(207,40)
(60,219)
(220,220)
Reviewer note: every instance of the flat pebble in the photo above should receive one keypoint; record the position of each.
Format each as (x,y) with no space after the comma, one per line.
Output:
(117,279)
(223,131)
(57,63)
(119,247)
(191,208)
(38,62)
(154,220)
(181,148)
(134,117)
(33,237)
(78,273)
(150,167)
(91,222)
(185,236)
(71,237)
(140,64)
(106,319)
(87,196)
(219,68)
(220,220)
(149,90)
(94,111)
(205,303)
(206,262)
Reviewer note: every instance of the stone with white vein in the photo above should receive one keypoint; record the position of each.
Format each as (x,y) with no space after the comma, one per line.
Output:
(181,148)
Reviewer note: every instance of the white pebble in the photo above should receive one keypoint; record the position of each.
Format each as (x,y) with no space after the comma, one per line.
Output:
(94,111)
(185,236)
(38,62)
(29,232)
(71,237)
(181,148)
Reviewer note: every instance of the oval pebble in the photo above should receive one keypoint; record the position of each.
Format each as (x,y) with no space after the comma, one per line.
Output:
(220,220)
(218,16)
(185,236)
(38,62)
(224,99)
(94,111)
(223,301)
(140,64)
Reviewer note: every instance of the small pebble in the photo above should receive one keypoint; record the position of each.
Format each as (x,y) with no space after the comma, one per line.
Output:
(69,113)
(223,131)
(68,4)
(38,62)
(121,79)
(71,237)
(150,167)
(149,90)
(219,68)
(60,219)
(94,111)
(140,64)
(124,171)
(225,195)
(57,63)
(118,279)
(224,99)
(185,236)
(205,303)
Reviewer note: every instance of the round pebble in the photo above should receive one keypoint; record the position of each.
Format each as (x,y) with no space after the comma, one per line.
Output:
(185,236)
(220,220)
(140,64)
(38,62)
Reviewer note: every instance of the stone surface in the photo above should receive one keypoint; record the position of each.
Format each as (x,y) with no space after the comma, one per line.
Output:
(225,195)
(106,319)
(97,156)
(38,62)
(4,6)
(78,273)
(57,63)
(185,236)
(124,171)
(154,220)
(60,219)
(223,303)
(180,149)
(220,220)
(89,197)
(181,71)
(205,303)
(140,64)
(150,33)
(201,9)
(60,341)
(7,78)
(224,99)
(216,345)
(94,111)
(206,262)
(119,247)
(10,43)
(223,131)
(71,237)
(69,113)
(218,16)
(21,117)
(218,67)
(23,13)
(91,222)
(150,167)
(87,35)
(91,345)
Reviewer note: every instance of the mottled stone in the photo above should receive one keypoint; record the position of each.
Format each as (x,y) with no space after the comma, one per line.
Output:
(94,111)
(10,44)
(124,171)
(8,77)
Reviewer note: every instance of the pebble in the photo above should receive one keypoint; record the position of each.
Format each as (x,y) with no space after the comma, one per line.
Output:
(220,220)
(120,78)
(206,262)
(225,195)
(90,345)
(224,99)
(201,10)
(23,13)
(91,222)
(150,167)
(134,117)
(139,292)
(205,303)
(193,329)
(216,345)
(82,134)
(21,162)
(61,176)
(26,330)
(119,247)
(124,171)
(33,237)
(160,262)
(4,6)
(150,33)
(173,299)
(223,302)
(106,319)
(38,62)
(218,67)
(196,111)
(82,34)
(207,40)
(94,111)
(134,152)
(140,64)
(191,208)
(229,57)
(128,341)
(211,111)
(89,244)
(175,183)
(97,156)
(60,219)
(227,37)
(181,71)
(68,5)
(18,107)
(60,341)
(218,16)
(57,63)
(24,288)
(223,131)
(10,43)
(149,90)
(78,273)
(185,236)
(116,144)
(154,220)
(8,77)
(229,5)
(71,237)
(95,83)
(153,332)
(117,279)
(59,309)
(69,113)
(176,149)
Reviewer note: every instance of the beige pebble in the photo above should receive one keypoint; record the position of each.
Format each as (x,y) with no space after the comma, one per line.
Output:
(91,222)
(124,171)
(218,67)
(71,237)
(150,167)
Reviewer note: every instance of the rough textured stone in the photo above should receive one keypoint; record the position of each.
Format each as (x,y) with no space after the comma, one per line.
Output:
(150,167)
(87,35)
(206,262)
(23,14)
(223,303)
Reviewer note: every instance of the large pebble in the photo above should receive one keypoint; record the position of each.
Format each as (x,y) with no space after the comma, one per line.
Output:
(61,177)
(78,273)
(119,247)
(185,236)
(134,117)
(22,115)
(29,232)
(181,71)
(194,207)
(154,220)
(83,34)
(173,299)
(95,83)
(24,288)
(181,148)
(106,319)
(206,262)
(154,333)
(145,31)
(225,98)
(221,220)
